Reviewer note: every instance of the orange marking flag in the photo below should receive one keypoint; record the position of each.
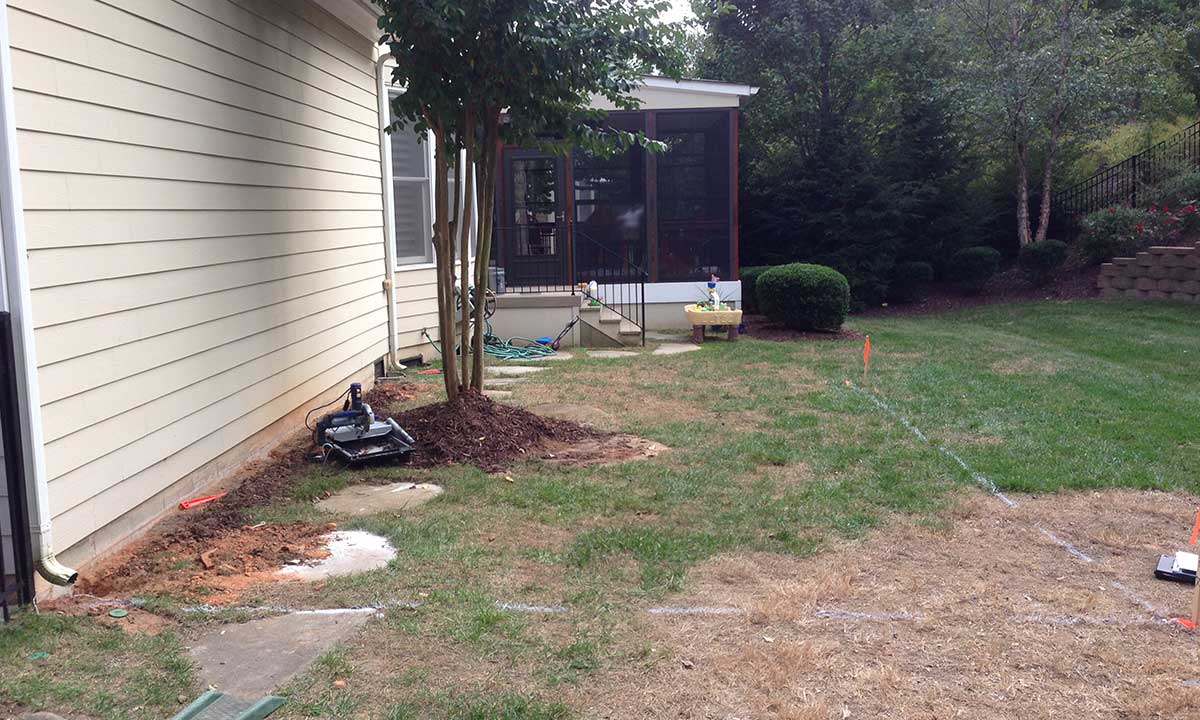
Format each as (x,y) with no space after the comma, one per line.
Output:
(866,355)
(1195,529)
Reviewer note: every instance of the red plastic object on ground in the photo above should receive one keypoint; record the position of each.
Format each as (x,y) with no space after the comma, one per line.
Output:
(430,371)
(188,504)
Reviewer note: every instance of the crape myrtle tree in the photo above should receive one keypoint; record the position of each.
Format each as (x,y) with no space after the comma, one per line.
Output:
(1035,74)
(478,75)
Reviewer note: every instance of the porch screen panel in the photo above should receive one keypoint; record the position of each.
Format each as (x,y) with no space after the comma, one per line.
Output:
(693,195)
(610,203)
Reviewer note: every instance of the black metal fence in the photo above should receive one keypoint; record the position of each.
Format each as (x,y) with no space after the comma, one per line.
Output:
(550,257)
(1130,181)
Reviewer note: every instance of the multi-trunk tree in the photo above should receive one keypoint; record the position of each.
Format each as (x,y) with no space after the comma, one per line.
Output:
(474,76)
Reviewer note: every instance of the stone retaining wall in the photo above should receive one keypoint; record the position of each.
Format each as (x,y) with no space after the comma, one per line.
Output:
(1161,273)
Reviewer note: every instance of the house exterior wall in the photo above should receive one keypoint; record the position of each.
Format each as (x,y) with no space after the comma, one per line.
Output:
(204,220)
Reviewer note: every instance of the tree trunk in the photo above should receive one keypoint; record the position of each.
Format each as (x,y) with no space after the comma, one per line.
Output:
(487,198)
(443,245)
(1023,230)
(464,245)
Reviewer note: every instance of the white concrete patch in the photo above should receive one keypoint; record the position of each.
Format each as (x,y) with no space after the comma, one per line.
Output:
(350,551)
(674,349)
(502,382)
(497,394)
(611,354)
(513,370)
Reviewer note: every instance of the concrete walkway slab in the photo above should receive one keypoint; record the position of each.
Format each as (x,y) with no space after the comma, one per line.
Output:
(674,349)
(497,394)
(556,356)
(611,354)
(371,499)
(666,337)
(502,382)
(253,659)
(513,370)
(350,551)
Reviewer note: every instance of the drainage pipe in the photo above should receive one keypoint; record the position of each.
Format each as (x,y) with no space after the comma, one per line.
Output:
(17,298)
(389,204)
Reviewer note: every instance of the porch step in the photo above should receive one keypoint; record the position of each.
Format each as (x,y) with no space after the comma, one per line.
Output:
(610,328)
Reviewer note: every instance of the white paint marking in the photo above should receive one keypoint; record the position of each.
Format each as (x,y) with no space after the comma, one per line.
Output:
(1140,601)
(979,478)
(522,607)
(835,614)
(695,611)
(1082,620)
(1074,551)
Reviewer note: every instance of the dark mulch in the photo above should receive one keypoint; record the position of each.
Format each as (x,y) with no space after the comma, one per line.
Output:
(761,328)
(473,430)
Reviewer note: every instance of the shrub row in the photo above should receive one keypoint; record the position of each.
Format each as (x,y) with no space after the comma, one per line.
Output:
(1122,231)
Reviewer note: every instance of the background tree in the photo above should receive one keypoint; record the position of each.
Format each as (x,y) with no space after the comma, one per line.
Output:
(523,72)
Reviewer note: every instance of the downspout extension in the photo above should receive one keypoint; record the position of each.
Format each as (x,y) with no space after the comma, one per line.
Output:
(51,570)
(389,206)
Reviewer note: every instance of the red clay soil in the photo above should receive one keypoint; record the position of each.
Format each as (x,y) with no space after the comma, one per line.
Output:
(473,430)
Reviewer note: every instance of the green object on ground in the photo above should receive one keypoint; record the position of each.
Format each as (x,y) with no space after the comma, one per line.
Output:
(506,349)
(118,612)
(213,705)
(39,655)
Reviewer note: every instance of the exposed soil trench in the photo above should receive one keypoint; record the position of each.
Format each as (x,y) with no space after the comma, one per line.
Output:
(213,553)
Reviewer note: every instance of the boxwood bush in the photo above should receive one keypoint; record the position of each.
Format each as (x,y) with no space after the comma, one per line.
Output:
(1041,259)
(972,267)
(909,280)
(804,297)
(749,276)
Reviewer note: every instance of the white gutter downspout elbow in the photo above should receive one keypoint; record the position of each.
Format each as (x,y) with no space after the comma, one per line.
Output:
(19,305)
(389,205)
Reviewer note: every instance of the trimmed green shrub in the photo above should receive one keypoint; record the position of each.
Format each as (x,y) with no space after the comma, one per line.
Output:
(804,297)
(909,280)
(1112,232)
(972,267)
(1180,189)
(749,277)
(1041,259)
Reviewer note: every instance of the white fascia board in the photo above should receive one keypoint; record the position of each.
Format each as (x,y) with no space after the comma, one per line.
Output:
(703,87)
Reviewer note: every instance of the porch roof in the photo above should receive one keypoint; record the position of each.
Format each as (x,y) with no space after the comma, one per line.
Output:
(664,93)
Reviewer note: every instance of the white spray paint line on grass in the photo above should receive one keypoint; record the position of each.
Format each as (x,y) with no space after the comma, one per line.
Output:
(979,478)
(988,485)
(835,614)
(522,607)
(1074,620)
(695,611)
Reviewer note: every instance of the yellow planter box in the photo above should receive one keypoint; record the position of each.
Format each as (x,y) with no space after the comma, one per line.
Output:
(696,316)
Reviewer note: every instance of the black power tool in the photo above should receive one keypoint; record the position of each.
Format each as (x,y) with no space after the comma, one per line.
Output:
(354,434)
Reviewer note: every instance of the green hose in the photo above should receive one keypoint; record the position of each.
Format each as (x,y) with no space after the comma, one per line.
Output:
(503,349)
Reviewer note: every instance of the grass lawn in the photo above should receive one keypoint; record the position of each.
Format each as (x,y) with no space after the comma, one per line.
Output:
(773,463)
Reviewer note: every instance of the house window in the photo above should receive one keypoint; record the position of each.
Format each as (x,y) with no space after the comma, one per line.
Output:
(411,193)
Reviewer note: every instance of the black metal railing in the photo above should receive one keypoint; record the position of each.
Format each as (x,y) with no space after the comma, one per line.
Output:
(1130,181)
(551,257)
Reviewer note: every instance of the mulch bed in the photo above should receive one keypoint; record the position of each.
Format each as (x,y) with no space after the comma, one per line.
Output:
(473,430)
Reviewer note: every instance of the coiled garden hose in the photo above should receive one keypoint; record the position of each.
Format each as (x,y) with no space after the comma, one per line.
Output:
(500,348)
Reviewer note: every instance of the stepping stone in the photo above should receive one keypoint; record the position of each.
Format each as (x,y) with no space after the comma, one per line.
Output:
(371,499)
(665,337)
(502,382)
(497,394)
(252,659)
(611,354)
(513,370)
(585,414)
(674,349)
(350,551)
(555,356)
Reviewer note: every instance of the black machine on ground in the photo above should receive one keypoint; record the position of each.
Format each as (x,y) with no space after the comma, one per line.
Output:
(354,434)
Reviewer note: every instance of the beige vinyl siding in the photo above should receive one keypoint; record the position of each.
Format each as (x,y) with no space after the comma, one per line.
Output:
(204,218)
(416,310)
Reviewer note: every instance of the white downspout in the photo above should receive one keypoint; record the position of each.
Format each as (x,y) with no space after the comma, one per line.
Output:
(389,205)
(16,287)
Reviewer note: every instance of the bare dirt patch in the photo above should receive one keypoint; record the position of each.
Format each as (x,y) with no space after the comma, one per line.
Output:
(989,615)
(601,451)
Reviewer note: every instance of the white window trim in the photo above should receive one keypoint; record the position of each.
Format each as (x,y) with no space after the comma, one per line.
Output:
(403,262)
